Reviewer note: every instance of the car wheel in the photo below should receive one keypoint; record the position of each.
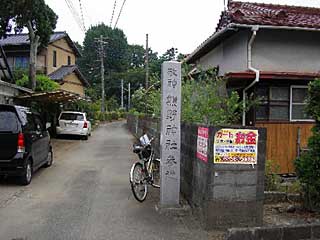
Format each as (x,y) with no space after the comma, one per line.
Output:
(85,137)
(49,160)
(27,174)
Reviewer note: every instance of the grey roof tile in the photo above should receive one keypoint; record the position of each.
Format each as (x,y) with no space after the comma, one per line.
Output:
(65,70)
(23,39)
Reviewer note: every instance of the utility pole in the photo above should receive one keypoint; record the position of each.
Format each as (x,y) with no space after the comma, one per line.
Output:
(147,61)
(101,43)
(121,93)
(129,96)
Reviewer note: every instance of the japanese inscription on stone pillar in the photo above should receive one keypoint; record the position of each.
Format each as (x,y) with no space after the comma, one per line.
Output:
(170,133)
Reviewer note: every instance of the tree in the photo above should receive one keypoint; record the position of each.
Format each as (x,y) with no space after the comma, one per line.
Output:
(308,164)
(115,52)
(44,83)
(37,17)
(136,55)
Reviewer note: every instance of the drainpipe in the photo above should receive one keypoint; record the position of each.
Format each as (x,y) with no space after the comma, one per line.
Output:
(257,72)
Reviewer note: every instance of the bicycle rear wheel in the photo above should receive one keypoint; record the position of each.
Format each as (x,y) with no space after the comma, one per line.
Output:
(138,182)
(156,173)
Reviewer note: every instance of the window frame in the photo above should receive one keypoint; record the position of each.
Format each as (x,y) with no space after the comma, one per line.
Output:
(69,60)
(54,58)
(297,104)
(23,62)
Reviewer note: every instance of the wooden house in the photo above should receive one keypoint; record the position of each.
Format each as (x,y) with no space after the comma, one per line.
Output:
(273,52)
(8,90)
(57,60)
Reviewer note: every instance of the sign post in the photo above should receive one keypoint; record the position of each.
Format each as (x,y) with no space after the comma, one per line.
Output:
(170,133)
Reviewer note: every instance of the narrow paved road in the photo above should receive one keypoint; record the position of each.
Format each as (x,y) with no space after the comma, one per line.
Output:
(86,195)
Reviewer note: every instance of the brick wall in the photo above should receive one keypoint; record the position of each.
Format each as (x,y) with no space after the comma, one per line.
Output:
(224,195)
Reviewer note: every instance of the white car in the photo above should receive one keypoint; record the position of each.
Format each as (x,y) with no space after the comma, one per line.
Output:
(73,123)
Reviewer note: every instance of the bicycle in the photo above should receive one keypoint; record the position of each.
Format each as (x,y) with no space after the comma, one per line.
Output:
(146,171)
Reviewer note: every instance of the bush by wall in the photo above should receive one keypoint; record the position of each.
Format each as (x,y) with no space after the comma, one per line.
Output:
(308,165)
(44,83)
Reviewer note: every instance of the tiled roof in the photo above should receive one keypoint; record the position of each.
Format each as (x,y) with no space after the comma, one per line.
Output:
(269,14)
(245,14)
(65,70)
(23,39)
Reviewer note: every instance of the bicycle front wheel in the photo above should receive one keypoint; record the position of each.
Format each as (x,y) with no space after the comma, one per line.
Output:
(138,182)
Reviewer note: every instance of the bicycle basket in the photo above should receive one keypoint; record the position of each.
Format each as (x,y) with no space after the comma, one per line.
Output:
(146,152)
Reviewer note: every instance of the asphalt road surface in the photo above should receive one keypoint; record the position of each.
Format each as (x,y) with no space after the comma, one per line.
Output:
(86,195)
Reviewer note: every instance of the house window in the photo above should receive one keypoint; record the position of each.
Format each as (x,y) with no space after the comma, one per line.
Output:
(21,62)
(262,111)
(274,103)
(282,103)
(69,60)
(298,103)
(54,60)
(279,103)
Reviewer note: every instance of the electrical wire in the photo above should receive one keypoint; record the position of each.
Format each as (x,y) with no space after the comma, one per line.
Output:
(114,8)
(75,15)
(115,25)
(81,11)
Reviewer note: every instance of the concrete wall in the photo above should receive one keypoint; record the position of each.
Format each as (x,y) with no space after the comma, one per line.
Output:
(224,195)
(296,232)
(273,50)
(230,55)
(7,93)
(286,51)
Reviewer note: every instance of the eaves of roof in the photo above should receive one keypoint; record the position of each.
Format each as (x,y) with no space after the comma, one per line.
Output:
(23,40)
(70,42)
(66,70)
(230,29)
(271,75)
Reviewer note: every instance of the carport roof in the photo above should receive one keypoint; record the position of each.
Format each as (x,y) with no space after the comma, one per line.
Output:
(58,96)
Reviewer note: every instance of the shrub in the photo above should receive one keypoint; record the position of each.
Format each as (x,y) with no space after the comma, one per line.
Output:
(308,165)
(204,100)
(272,180)
(44,83)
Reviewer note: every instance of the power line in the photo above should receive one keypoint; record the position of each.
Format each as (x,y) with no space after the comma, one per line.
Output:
(115,25)
(75,12)
(75,15)
(81,11)
(114,8)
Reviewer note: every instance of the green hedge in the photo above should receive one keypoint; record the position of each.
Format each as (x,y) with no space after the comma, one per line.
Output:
(110,116)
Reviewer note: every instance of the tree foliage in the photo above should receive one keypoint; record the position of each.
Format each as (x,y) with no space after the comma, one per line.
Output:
(15,15)
(44,83)
(37,17)
(122,61)
(115,52)
(204,99)
(308,165)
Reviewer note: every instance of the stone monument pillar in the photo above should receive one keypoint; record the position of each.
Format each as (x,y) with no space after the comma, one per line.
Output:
(170,133)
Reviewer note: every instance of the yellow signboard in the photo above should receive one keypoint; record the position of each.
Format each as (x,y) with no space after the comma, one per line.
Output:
(236,146)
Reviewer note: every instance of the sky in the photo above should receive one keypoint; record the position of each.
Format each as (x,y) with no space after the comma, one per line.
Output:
(183,24)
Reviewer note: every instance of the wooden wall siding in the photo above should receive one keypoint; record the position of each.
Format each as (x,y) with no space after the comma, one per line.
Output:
(282,143)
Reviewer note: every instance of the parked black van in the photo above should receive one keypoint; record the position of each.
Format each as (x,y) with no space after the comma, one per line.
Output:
(24,143)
